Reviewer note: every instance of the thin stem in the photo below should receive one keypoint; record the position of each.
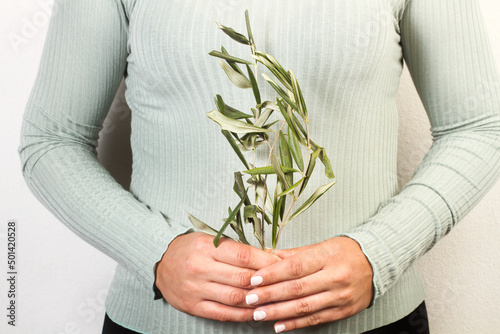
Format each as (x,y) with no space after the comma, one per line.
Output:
(263,224)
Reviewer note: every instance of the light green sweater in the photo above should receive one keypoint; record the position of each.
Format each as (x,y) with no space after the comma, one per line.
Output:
(348,56)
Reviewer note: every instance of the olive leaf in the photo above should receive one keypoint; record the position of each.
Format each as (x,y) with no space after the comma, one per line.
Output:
(255,86)
(237,226)
(202,227)
(269,170)
(229,111)
(233,34)
(291,189)
(279,90)
(249,29)
(293,144)
(285,156)
(238,79)
(310,201)
(299,99)
(226,56)
(228,221)
(233,125)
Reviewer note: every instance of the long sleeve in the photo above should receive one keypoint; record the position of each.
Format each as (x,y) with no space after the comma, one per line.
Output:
(447,52)
(83,62)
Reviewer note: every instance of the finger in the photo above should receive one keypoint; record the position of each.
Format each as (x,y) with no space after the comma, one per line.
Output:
(224,294)
(300,265)
(320,317)
(295,308)
(287,290)
(216,311)
(244,256)
(286,253)
(227,274)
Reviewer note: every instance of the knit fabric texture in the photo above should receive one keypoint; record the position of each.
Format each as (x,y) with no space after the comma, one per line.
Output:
(348,57)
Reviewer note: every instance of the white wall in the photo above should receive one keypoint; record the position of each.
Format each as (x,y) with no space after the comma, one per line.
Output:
(62,282)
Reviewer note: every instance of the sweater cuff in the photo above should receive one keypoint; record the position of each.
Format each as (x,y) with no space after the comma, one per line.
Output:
(403,229)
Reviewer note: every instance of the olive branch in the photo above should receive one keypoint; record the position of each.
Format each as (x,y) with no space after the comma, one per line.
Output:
(246,132)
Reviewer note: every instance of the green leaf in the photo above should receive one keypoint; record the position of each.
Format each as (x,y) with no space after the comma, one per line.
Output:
(228,221)
(310,201)
(263,118)
(285,156)
(299,99)
(278,72)
(299,126)
(249,29)
(258,182)
(250,216)
(233,34)
(202,227)
(287,116)
(279,90)
(291,189)
(326,162)
(293,144)
(233,125)
(269,170)
(275,163)
(268,105)
(228,110)
(235,147)
(237,227)
(278,204)
(233,64)
(238,79)
(239,187)
(310,168)
(224,55)
(255,86)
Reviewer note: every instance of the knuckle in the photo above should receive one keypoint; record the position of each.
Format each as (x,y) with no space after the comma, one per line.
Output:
(221,316)
(192,268)
(346,275)
(242,278)
(346,296)
(200,244)
(296,267)
(302,307)
(243,256)
(235,297)
(295,288)
(313,320)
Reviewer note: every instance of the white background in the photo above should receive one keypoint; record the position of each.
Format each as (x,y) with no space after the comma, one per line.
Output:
(62,282)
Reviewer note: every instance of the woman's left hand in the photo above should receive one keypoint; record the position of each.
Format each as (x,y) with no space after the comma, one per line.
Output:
(324,282)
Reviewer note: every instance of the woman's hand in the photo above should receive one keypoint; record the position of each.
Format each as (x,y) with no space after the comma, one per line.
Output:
(199,279)
(316,284)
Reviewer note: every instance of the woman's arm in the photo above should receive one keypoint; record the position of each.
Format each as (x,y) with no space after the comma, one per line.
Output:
(83,62)
(447,52)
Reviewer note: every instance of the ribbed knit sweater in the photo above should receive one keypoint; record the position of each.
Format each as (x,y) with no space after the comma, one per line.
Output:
(348,57)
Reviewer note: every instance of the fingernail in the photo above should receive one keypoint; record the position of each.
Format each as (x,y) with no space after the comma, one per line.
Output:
(279,328)
(256,280)
(259,315)
(252,299)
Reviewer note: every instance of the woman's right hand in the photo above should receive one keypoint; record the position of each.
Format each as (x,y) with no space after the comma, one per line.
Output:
(199,279)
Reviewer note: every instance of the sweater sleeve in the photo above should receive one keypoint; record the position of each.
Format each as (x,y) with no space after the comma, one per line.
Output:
(83,61)
(447,52)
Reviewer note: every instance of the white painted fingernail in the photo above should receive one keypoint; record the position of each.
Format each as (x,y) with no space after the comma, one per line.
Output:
(256,280)
(259,315)
(252,299)
(279,328)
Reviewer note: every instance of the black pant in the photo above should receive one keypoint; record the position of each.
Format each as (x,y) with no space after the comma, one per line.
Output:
(414,323)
